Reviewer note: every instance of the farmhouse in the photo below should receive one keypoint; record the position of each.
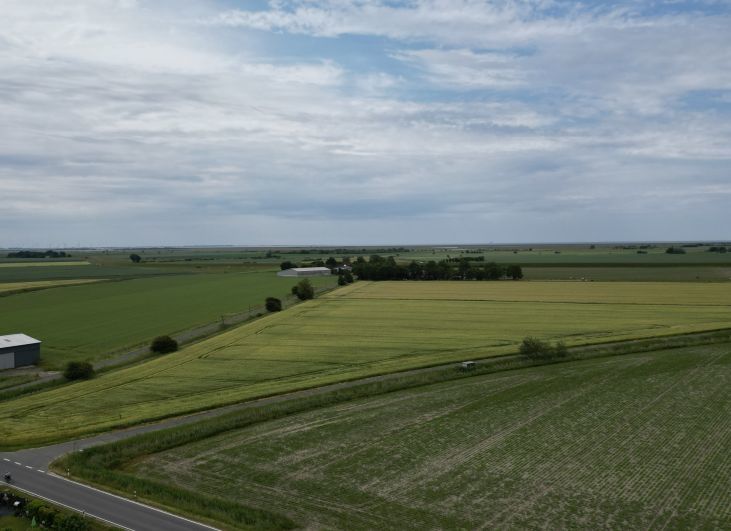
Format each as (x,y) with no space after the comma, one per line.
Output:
(306,272)
(18,350)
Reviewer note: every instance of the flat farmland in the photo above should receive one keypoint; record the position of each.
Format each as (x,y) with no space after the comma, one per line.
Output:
(363,330)
(88,322)
(632,442)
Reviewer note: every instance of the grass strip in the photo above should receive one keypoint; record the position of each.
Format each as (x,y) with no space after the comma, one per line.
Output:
(104,465)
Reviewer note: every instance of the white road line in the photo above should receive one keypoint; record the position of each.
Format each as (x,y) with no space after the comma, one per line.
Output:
(17,463)
(135,502)
(29,467)
(86,513)
(6,459)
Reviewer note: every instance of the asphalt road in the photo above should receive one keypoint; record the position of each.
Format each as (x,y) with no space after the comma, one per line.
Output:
(110,508)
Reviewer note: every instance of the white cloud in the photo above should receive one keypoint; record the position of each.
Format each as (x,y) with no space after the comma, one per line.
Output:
(135,114)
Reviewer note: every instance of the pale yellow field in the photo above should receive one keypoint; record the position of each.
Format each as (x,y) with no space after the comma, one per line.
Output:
(675,293)
(42,264)
(40,284)
(361,330)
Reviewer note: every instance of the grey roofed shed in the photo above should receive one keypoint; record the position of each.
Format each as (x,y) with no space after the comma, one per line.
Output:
(19,350)
(305,272)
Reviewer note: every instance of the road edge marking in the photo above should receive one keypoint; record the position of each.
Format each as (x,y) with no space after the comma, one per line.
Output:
(82,512)
(133,501)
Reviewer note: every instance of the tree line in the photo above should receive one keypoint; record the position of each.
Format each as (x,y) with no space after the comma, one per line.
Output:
(380,268)
(38,254)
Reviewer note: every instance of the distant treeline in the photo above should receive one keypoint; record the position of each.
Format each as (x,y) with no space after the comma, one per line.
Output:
(345,251)
(379,268)
(39,254)
(719,249)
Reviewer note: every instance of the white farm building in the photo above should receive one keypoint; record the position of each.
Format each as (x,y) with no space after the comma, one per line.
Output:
(18,350)
(306,272)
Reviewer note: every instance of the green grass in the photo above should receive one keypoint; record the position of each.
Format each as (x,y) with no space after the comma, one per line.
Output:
(11,381)
(632,442)
(11,523)
(362,330)
(88,322)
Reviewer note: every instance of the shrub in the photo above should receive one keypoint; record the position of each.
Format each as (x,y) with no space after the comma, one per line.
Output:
(163,345)
(341,280)
(287,265)
(305,290)
(273,305)
(78,370)
(534,348)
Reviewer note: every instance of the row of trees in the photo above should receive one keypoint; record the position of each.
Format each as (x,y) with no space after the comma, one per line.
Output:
(39,254)
(380,268)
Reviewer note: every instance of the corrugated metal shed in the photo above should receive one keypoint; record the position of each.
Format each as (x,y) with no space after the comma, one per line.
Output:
(18,350)
(16,340)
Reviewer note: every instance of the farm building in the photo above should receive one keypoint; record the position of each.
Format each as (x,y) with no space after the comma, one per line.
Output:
(306,272)
(18,350)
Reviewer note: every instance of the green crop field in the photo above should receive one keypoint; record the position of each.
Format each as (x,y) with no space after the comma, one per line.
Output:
(362,330)
(88,322)
(632,442)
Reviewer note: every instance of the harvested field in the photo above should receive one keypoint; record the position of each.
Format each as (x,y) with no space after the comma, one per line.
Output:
(633,442)
(10,287)
(363,330)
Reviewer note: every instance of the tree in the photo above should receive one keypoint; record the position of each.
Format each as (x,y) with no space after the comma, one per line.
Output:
(514,271)
(304,290)
(287,265)
(341,280)
(675,250)
(331,262)
(163,345)
(348,276)
(78,370)
(135,258)
(273,305)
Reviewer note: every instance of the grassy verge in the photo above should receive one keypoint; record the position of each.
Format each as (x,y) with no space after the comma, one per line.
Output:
(105,465)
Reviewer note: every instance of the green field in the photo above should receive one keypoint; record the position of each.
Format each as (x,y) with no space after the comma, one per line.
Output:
(361,330)
(88,322)
(632,442)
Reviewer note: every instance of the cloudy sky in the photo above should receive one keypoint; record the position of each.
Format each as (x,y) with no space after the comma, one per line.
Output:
(363,121)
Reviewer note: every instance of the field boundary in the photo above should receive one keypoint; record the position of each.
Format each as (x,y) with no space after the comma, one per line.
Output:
(105,465)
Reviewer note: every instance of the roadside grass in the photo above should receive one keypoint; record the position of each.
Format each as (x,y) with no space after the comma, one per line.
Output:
(363,330)
(90,322)
(602,442)
(12,381)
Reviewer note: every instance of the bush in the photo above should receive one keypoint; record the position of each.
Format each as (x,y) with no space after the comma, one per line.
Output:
(163,345)
(534,348)
(273,305)
(341,280)
(287,265)
(78,370)
(304,290)
(675,250)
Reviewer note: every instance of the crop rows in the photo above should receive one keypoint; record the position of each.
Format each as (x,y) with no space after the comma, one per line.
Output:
(639,441)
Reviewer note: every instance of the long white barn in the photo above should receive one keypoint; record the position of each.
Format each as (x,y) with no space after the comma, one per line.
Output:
(305,272)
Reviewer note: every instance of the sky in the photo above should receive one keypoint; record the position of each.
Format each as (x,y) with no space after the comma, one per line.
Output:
(354,122)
